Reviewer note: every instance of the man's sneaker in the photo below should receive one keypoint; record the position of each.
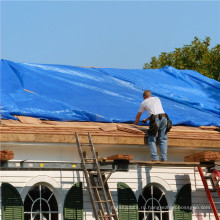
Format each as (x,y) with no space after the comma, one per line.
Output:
(155,161)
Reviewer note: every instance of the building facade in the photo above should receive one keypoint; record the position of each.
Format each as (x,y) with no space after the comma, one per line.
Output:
(140,192)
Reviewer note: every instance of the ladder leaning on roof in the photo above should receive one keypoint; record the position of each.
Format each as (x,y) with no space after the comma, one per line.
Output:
(101,198)
(214,177)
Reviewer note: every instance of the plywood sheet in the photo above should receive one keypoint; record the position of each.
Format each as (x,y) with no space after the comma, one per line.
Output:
(129,129)
(105,133)
(28,120)
(10,122)
(211,128)
(109,127)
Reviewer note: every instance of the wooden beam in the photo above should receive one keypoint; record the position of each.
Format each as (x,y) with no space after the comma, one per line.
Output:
(173,164)
(103,139)
(162,164)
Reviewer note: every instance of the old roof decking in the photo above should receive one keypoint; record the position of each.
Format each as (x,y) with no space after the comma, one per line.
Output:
(102,133)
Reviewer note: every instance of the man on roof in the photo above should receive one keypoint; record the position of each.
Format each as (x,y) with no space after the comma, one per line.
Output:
(158,124)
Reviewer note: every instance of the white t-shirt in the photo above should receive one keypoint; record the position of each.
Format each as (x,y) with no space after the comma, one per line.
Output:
(152,105)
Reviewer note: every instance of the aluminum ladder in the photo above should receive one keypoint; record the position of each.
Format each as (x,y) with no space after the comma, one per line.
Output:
(100,195)
(214,179)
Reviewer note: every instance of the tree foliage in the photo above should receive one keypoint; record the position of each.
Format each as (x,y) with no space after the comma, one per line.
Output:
(195,56)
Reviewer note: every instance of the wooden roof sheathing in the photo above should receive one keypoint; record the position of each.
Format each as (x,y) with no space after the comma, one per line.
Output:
(102,133)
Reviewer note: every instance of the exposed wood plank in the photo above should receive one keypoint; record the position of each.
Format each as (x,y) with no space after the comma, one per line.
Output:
(129,129)
(172,164)
(109,127)
(28,120)
(51,126)
(84,130)
(9,122)
(203,157)
(100,139)
(6,155)
(209,127)
(190,143)
(120,157)
(104,133)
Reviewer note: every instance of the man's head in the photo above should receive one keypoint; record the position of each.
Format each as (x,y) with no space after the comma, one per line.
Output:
(147,94)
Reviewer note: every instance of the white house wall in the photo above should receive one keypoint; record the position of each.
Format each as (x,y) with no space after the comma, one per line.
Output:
(169,179)
(69,152)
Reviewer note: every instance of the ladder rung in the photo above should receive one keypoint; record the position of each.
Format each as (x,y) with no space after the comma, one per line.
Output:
(88,158)
(85,145)
(96,187)
(112,215)
(93,172)
(214,190)
(102,201)
(96,172)
(207,177)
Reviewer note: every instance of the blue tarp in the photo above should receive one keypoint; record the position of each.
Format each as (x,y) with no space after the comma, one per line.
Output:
(69,93)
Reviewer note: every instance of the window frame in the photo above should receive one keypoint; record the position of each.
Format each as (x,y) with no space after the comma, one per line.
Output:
(40,198)
(163,193)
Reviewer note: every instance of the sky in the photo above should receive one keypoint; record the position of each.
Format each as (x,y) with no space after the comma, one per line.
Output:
(112,34)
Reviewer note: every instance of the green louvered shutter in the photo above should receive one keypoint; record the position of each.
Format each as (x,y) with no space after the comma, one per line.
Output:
(73,205)
(12,205)
(127,203)
(183,204)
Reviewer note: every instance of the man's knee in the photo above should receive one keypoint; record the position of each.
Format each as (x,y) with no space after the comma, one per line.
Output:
(163,138)
(151,139)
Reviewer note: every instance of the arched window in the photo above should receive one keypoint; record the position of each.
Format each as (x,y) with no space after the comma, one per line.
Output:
(152,204)
(40,204)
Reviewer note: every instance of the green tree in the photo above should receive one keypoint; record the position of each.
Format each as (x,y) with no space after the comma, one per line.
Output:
(195,56)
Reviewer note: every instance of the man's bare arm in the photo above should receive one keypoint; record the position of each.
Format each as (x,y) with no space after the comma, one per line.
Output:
(145,120)
(137,117)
